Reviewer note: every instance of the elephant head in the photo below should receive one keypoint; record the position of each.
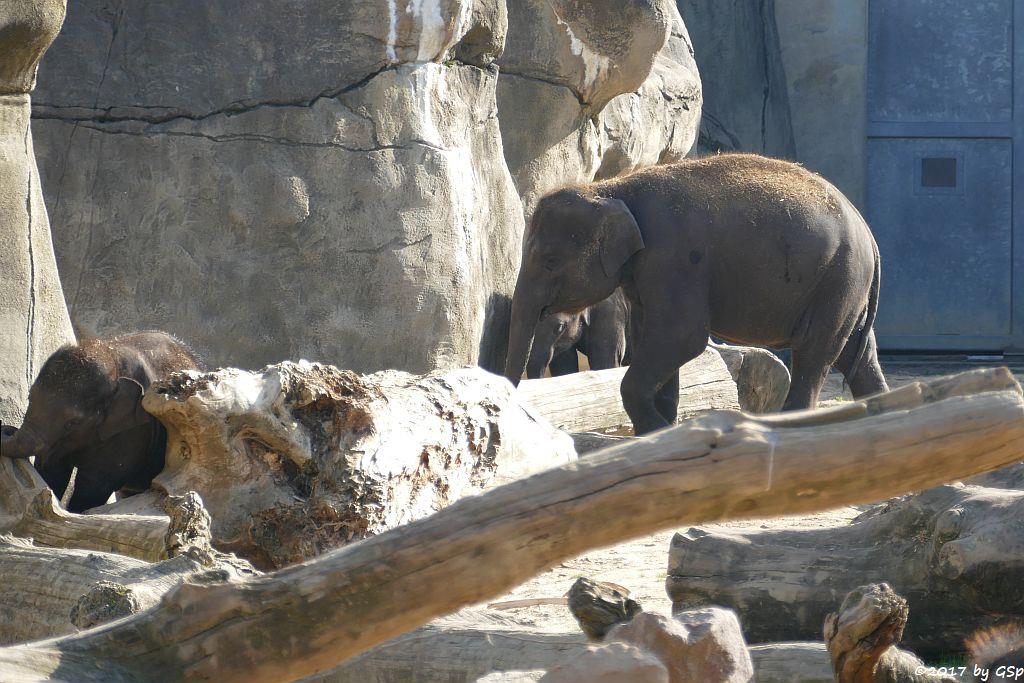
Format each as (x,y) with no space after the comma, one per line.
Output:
(78,400)
(555,334)
(576,247)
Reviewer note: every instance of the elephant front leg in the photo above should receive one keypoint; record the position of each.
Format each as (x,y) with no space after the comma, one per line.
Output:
(650,388)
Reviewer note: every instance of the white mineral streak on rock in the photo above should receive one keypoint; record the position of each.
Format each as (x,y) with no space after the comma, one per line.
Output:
(433,29)
(392,29)
(593,63)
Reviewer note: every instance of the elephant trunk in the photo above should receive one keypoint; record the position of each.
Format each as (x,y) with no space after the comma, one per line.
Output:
(526,312)
(19,443)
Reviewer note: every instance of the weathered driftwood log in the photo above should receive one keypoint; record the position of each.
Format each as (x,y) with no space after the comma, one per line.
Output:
(307,618)
(597,606)
(46,592)
(762,379)
(589,401)
(862,636)
(956,553)
(28,509)
(300,458)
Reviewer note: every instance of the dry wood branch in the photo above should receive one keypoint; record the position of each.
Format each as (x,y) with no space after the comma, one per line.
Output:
(28,509)
(309,617)
(41,587)
(588,401)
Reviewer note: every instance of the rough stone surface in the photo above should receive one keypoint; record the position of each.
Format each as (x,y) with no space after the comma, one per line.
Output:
(563,121)
(356,193)
(696,646)
(33,317)
(613,663)
(746,101)
(824,52)
(349,189)
(301,458)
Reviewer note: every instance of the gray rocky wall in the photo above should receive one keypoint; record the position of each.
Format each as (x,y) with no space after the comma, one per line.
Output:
(824,51)
(33,318)
(337,179)
(746,99)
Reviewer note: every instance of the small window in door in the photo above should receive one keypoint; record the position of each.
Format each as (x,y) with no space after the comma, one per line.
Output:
(938,172)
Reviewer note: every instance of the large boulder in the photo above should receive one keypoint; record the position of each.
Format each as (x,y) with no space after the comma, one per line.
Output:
(33,317)
(746,98)
(593,90)
(319,179)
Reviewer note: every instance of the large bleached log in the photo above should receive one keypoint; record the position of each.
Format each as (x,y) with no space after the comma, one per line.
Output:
(589,401)
(955,552)
(46,592)
(300,458)
(762,379)
(28,509)
(308,617)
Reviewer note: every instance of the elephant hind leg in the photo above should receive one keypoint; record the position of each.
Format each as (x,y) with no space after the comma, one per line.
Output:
(866,377)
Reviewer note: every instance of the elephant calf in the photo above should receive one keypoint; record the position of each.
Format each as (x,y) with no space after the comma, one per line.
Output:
(85,411)
(600,332)
(753,250)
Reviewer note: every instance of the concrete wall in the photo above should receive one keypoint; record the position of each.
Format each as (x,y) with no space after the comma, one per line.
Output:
(824,53)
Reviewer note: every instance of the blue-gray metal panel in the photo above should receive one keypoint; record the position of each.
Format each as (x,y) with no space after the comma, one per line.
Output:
(952,342)
(1017,342)
(940,60)
(938,129)
(946,256)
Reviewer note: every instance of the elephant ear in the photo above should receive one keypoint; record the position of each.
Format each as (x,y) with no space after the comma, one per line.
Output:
(124,410)
(620,237)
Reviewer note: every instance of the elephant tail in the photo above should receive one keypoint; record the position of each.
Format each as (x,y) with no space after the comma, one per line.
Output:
(869,318)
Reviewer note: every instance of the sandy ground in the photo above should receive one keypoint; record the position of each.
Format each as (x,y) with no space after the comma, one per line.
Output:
(641,565)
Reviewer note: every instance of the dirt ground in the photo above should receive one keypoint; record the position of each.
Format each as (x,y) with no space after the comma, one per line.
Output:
(641,565)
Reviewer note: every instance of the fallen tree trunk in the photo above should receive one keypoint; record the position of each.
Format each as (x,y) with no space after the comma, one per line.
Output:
(46,591)
(28,509)
(955,552)
(299,458)
(307,618)
(590,401)
(762,379)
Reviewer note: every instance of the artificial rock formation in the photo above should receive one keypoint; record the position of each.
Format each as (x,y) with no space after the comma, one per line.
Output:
(352,187)
(746,101)
(300,458)
(610,663)
(695,645)
(303,179)
(593,90)
(33,317)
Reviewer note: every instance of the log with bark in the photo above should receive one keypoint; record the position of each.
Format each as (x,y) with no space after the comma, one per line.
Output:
(956,552)
(308,617)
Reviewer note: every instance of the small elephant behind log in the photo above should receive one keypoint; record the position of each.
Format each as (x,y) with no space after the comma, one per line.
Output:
(601,333)
(85,411)
(752,250)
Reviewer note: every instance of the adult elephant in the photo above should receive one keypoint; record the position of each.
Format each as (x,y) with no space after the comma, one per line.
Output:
(600,332)
(756,251)
(85,411)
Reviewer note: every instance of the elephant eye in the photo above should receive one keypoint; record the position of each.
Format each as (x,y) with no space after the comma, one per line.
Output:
(72,423)
(551,264)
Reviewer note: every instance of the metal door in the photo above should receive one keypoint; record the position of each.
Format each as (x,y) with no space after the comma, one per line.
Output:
(943,138)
